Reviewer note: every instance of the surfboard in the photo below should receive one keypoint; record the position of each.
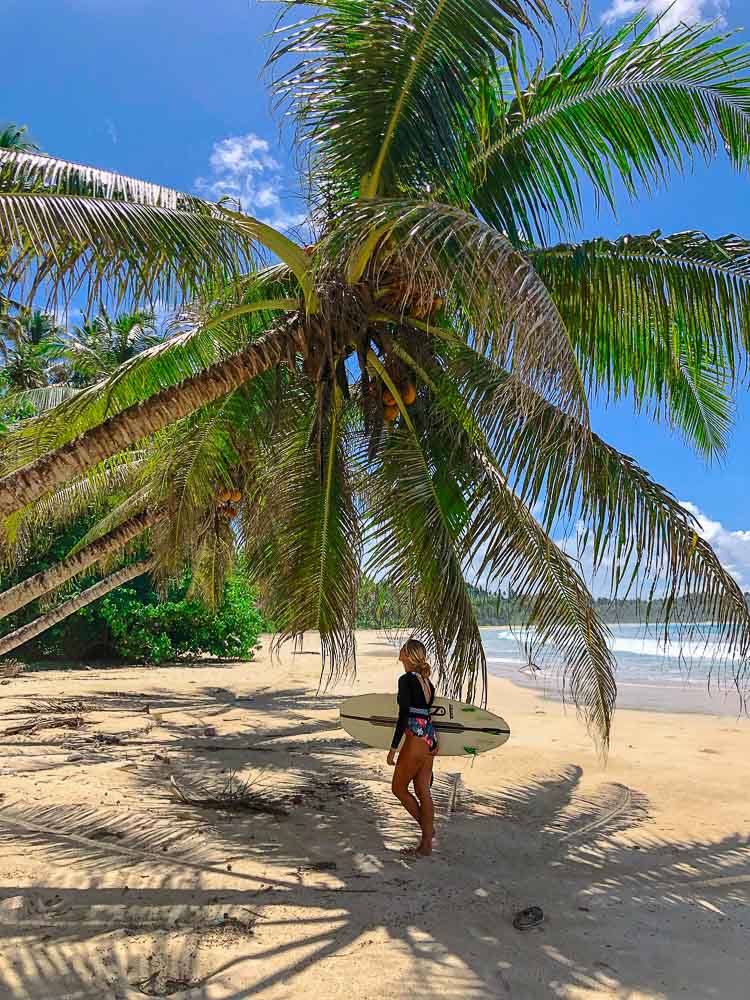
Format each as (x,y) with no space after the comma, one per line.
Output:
(462,730)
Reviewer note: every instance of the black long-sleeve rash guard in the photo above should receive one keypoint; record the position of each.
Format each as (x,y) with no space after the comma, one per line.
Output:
(410,695)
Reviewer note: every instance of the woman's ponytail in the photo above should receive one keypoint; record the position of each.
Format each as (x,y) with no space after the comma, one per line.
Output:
(417,654)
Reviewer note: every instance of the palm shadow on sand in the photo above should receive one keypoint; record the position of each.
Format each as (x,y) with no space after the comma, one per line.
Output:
(282,910)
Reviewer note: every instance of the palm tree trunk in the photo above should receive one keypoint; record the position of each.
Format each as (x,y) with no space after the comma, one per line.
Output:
(27,590)
(136,422)
(58,614)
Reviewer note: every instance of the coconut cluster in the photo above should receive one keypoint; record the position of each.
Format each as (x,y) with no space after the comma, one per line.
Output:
(408,393)
(226,500)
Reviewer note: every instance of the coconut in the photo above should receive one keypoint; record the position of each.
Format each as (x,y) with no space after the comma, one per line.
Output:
(390,413)
(224,496)
(409,393)
(229,512)
(236,496)
(388,398)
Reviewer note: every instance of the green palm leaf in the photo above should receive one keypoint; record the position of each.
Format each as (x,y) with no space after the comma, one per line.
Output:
(22,532)
(634,525)
(503,544)
(647,313)
(414,517)
(415,514)
(45,397)
(620,111)
(190,463)
(205,334)
(301,533)
(70,229)
(510,547)
(384,88)
(116,251)
(214,560)
(700,406)
(27,170)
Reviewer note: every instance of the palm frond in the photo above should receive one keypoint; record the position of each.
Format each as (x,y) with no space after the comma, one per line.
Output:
(213,562)
(26,170)
(301,533)
(649,542)
(138,498)
(415,514)
(193,462)
(45,397)
(383,88)
(503,544)
(38,522)
(205,334)
(620,110)
(115,251)
(73,230)
(638,307)
(700,406)
(510,547)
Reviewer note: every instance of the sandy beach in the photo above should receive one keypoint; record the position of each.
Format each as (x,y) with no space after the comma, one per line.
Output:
(114,888)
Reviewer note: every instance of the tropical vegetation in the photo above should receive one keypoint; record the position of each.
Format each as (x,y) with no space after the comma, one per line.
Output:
(400,389)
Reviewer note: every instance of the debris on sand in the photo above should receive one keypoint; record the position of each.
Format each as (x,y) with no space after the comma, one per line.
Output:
(532,916)
(34,725)
(157,986)
(56,706)
(11,668)
(93,741)
(234,794)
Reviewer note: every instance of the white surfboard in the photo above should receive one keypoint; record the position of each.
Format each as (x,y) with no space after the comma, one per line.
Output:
(462,730)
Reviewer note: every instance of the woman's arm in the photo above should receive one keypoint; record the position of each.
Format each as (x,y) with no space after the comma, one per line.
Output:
(404,703)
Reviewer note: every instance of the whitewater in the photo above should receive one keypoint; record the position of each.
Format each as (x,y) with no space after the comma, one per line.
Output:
(644,654)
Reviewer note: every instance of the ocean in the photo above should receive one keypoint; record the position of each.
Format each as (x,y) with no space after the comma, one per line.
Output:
(650,665)
(643,653)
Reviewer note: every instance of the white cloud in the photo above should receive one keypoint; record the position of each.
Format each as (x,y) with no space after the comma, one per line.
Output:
(732,547)
(112,130)
(243,168)
(674,11)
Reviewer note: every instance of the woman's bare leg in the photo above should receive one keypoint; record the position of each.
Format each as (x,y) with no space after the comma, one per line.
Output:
(427,807)
(410,760)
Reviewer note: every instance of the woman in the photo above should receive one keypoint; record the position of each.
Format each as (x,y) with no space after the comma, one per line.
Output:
(415,696)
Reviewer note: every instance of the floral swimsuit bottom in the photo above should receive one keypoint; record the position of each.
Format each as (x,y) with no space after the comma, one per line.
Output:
(421,725)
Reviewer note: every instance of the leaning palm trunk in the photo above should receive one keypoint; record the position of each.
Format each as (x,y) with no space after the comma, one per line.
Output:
(41,624)
(49,579)
(136,422)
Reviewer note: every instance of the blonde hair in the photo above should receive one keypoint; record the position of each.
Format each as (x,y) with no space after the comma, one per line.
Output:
(417,656)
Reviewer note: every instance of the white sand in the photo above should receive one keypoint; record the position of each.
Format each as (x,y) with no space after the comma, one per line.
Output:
(642,867)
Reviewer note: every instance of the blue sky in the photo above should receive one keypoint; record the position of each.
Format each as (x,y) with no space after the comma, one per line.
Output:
(171,90)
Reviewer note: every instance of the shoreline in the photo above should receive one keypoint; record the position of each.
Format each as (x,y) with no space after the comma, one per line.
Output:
(684,698)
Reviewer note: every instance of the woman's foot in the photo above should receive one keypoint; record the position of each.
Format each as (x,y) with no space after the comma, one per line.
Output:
(425,847)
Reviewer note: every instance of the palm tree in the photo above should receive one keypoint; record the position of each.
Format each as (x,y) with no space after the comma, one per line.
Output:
(96,348)
(99,589)
(80,559)
(426,360)
(29,343)
(14,137)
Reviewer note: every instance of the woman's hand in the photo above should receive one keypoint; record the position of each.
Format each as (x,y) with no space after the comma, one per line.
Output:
(391,759)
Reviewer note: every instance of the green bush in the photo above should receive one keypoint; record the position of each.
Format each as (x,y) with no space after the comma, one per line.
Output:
(163,630)
(136,623)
